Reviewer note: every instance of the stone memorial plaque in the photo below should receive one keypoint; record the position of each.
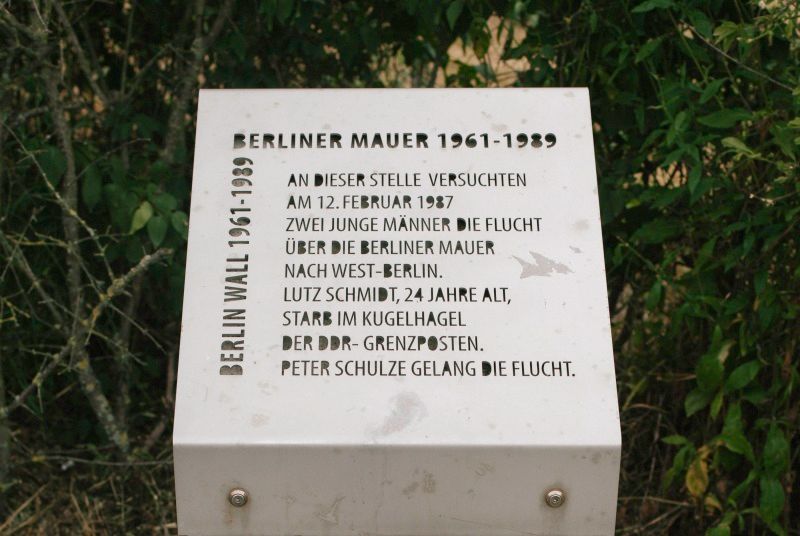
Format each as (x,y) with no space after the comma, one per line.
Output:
(395,318)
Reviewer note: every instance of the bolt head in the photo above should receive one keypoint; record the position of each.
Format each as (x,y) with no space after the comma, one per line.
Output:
(237,497)
(554,498)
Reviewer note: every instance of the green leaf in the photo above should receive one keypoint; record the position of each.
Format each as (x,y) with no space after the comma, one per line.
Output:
(707,250)
(695,401)
(647,49)
(738,443)
(716,404)
(453,12)
(180,222)
(284,10)
(770,502)
(743,487)
(657,231)
(649,5)
(760,281)
(134,250)
(121,204)
(776,527)
(146,125)
(709,372)
(675,440)
(711,89)
(92,186)
(678,126)
(733,419)
(141,216)
(164,202)
(157,230)
(694,178)
(719,531)
(701,22)
(755,394)
(724,118)
(742,375)
(782,136)
(654,296)
(679,462)
(53,164)
(726,30)
(724,350)
(117,169)
(737,145)
(776,452)
(711,366)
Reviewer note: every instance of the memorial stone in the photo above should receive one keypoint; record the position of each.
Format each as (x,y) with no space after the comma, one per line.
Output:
(395,318)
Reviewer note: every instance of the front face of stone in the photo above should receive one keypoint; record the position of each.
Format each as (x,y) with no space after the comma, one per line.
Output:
(395,317)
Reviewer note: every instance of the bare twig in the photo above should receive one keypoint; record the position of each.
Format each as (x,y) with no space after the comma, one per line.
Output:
(122,352)
(69,209)
(12,21)
(738,62)
(83,62)
(41,110)
(38,379)
(17,257)
(120,283)
(169,403)
(10,519)
(5,430)
(108,463)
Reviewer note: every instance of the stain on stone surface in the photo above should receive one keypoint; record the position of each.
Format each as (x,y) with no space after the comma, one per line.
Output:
(541,266)
(484,469)
(266,388)
(409,490)
(259,419)
(406,408)
(331,514)
(580,225)
(428,483)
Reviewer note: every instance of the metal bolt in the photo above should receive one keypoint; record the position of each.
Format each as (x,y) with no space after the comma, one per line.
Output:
(237,497)
(554,498)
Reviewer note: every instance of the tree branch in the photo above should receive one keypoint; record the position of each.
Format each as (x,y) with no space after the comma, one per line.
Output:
(17,257)
(200,45)
(83,62)
(119,284)
(737,62)
(169,403)
(69,218)
(38,379)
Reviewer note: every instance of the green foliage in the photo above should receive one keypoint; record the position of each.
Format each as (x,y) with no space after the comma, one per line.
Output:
(696,109)
(698,151)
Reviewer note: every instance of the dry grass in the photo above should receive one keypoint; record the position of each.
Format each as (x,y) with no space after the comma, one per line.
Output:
(68,494)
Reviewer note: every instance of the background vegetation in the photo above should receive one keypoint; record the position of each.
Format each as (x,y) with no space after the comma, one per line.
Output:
(697,138)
